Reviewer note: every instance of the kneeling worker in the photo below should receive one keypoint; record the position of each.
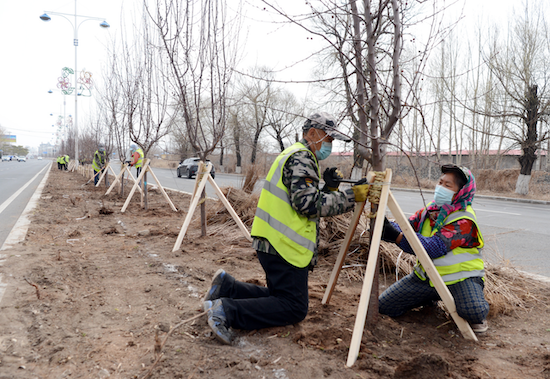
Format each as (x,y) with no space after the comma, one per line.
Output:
(447,228)
(285,235)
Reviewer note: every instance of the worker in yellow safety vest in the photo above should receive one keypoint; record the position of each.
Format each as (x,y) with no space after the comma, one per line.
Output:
(99,162)
(285,235)
(447,228)
(137,158)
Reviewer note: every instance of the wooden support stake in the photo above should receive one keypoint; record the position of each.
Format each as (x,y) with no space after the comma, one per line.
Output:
(117,178)
(194,202)
(136,185)
(361,318)
(105,172)
(429,266)
(125,168)
(229,208)
(359,207)
(162,190)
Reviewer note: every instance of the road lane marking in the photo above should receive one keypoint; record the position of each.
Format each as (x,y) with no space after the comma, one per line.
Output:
(506,213)
(6,203)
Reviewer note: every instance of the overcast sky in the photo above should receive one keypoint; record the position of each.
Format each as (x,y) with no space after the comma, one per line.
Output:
(34,53)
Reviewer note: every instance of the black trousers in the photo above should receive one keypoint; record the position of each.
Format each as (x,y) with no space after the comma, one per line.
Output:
(284,301)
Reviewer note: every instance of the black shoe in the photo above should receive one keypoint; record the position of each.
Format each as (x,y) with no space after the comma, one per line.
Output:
(215,289)
(218,321)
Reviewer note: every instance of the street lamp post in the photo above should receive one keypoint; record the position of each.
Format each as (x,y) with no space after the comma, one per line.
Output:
(76,25)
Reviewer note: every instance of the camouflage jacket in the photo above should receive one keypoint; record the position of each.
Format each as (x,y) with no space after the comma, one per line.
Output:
(300,176)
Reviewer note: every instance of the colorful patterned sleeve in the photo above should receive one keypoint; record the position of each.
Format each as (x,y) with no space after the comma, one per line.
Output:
(434,246)
(301,177)
(461,233)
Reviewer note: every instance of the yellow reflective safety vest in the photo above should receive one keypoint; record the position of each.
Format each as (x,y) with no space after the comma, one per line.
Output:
(139,163)
(291,234)
(460,263)
(100,158)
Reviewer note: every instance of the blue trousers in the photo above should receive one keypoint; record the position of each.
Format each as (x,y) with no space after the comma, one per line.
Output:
(284,301)
(411,292)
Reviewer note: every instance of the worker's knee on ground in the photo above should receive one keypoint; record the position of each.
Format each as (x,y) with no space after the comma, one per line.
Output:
(474,311)
(387,308)
(299,314)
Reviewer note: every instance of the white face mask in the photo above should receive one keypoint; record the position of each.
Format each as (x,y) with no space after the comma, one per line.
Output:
(443,195)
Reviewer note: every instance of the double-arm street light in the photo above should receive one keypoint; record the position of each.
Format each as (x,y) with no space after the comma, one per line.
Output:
(75,25)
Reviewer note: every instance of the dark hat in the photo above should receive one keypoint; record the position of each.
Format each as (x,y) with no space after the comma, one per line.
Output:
(325,122)
(462,171)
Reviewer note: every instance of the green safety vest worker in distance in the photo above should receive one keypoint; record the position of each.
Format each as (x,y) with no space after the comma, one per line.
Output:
(139,162)
(292,235)
(99,160)
(461,262)
(62,159)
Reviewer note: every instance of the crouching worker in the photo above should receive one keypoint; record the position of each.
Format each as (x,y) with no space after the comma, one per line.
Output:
(285,236)
(448,230)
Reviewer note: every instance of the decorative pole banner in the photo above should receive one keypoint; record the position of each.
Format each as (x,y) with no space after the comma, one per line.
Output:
(86,83)
(63,82)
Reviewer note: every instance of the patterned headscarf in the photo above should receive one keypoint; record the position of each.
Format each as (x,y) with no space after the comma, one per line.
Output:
(461,200)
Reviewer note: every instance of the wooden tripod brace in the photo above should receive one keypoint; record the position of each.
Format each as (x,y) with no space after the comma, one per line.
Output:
(147,168)
(203,175)
(388,201)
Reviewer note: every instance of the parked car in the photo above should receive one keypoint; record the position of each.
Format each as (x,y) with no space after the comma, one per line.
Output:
(21,159)
(39,158)
(6,158)
(190,166)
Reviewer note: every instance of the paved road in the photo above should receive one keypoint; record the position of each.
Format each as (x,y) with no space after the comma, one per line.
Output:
(13,176)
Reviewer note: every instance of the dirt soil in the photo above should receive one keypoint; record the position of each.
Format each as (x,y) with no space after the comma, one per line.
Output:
(93,293)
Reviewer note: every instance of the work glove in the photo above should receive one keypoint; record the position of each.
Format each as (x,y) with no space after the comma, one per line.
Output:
(361,190)
(332,177)
(389,232)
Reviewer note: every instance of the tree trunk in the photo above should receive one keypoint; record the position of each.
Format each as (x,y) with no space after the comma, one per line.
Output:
(255,146)
(237,142)
(529,146)
(522,184)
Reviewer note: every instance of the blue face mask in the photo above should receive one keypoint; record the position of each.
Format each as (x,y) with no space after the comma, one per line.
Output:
(324,152)
(442,195)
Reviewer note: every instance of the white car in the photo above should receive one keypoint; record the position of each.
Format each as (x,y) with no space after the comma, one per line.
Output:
(6,158)
(21,159)
(39,158)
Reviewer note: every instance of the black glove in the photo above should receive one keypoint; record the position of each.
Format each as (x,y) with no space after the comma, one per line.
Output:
(389,232)
(332,177)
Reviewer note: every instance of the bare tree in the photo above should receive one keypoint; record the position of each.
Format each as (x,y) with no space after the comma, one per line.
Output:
(199,41)
(282,116)
(521,67)
(257,95)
